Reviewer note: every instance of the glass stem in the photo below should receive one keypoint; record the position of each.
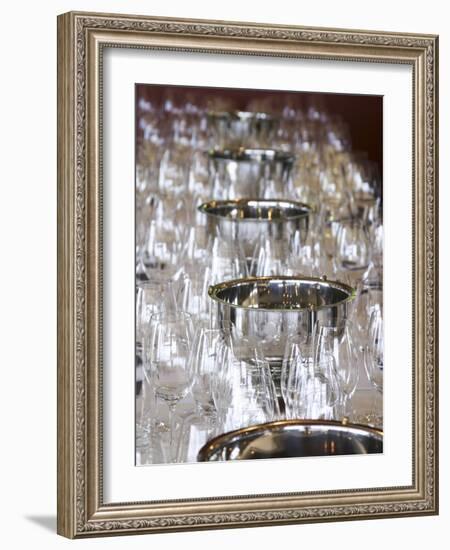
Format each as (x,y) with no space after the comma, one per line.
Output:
(172,407)
(344,405)
(340,409)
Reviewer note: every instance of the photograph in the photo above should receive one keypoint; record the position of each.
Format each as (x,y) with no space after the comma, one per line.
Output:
(259,274)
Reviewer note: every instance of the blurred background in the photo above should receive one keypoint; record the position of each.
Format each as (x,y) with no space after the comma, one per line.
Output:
(363,114)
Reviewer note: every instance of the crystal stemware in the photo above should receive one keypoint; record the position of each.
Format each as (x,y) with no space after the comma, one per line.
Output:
(167,366)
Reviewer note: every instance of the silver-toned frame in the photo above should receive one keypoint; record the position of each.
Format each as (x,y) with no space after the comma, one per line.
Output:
(81,39)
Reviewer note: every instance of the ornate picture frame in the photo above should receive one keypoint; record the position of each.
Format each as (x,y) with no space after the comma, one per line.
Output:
(82,38)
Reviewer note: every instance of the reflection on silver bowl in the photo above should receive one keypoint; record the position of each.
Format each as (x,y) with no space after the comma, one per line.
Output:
(255,155)
(293,438)
(268,309)
(237,173)
(247,220)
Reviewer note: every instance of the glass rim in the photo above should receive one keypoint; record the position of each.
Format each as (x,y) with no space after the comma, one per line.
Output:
(153,281)
(171,317)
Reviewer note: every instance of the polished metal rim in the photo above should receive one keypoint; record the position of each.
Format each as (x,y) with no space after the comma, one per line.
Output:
(287,205)
(242,115)
(323,281)
(257,115)
(251,155)
(219,441)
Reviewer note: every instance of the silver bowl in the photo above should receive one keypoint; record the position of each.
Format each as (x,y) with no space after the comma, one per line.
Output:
(293,438)
(248,220)
(237,173)
(269,309)
(242,128)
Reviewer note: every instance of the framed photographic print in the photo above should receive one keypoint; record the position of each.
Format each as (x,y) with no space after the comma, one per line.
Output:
(247,235)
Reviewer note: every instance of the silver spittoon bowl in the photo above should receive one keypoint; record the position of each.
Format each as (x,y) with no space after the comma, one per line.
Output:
(293,438)
(269,309)
(248,220)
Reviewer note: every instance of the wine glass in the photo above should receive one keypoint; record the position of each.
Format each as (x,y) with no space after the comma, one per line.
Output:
(338,341)
(222,384)
(227,260)
(293,373)
(320,389)
(352,250)
(195,431)
(174,169)
(167,365)
(144,407)
(161,251)
(204,363)
(153,296)
(270,257)
(193,295)
(309,257)
(197,245)
(374,350)
(244,391)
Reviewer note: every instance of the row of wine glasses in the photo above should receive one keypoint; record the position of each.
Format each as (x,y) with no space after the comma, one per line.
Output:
(183,285)
(347,248)
(287,119)
(348,254)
